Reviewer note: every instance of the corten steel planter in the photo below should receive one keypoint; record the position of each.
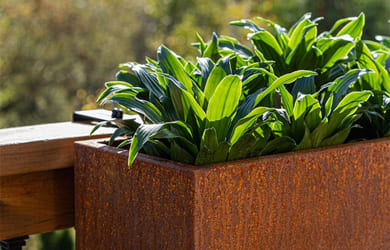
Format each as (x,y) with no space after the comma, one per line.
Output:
(330,198)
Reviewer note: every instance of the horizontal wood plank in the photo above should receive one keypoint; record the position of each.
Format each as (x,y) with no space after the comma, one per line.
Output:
(36,202)
(36,176)
(42,147)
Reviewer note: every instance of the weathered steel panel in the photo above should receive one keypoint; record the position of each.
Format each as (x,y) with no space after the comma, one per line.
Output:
(150,206)
(330,198)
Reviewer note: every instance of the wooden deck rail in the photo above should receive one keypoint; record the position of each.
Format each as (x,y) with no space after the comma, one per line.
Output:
(36,177)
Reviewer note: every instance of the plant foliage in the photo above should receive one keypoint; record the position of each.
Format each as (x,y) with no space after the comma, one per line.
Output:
(294,90)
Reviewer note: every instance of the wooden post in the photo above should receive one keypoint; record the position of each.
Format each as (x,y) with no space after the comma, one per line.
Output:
(36,177)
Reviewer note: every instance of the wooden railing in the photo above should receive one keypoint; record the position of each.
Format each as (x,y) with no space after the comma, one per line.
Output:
(36,177)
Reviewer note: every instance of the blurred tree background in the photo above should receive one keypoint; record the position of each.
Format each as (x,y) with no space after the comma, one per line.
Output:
(56,55)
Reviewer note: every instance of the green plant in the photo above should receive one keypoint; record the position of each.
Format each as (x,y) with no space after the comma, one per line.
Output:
(315,122)
(301,47)
(196,113)
(332,54)
(376,116)
(236,103)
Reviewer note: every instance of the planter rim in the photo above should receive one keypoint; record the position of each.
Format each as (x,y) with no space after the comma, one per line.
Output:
(123,153)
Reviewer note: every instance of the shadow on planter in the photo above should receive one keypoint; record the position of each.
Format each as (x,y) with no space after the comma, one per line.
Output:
(333,197)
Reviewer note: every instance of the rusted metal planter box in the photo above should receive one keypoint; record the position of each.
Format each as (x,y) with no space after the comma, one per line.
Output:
(330,198)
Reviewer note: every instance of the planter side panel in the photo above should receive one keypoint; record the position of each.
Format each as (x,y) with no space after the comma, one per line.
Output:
(336,198)
(145,207)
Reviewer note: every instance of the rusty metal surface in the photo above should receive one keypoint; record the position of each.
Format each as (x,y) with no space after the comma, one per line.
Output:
(149,206)
(332,198)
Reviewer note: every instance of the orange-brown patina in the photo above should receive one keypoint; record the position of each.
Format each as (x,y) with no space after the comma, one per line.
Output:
(330,198)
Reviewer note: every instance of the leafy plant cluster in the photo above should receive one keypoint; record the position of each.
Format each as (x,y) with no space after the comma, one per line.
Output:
(295,89)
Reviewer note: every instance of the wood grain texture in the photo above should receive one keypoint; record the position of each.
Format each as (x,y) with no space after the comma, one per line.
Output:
(330,198)
(36,177)
(42,147)
(36,202)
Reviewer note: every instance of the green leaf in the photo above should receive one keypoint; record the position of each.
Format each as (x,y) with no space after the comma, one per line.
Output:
(215,77)
(190,102)
(170,64)
(247,105)
(209,139)
(311,59)
(223,104)
(328,106)
(338,138)
(285,79)
(279,32)
(183,101)
(149,81)
(306,16)
(145,132)
(190,68)
(342,83)
(183,141)
(279,145)
(346,108)
(114,83)
(254,99)
(340,22)
(132,123)
(247,24)
(117,132)
(270,48)
(204,156)
(199,96)
(230,44)
(177,153)
(212,49)
(303,85)
(118,88)
(262,134)
(307,112)
(151,61)
(385,40)
(287,100)
(246,123)
(314,116)
(156,148)
(99,125)
(380,77)
(124,143)
(141,136)
(242,147)
(308,37)
(210,150)
(139,106)
(303,104)
(306,140)
(298,33)
(202,45)
(125,76)
(225,64)
(205,66)
(353,28)
(319,133)
(334,49)
(221,154)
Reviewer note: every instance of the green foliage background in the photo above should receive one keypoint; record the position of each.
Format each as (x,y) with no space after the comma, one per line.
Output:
(55,55)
